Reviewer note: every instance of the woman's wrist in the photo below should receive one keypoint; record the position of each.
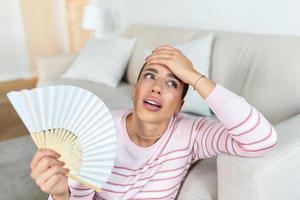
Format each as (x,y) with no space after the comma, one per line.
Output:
(193,77)
(61,197)
(201,84)
(204,87)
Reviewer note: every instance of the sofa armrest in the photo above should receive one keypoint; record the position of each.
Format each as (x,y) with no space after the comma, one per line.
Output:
(274,176)
(53,66)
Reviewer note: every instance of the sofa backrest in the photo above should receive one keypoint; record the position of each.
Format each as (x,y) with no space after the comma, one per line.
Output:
(264,69)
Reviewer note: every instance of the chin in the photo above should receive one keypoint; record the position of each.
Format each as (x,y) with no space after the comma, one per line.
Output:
(152,117)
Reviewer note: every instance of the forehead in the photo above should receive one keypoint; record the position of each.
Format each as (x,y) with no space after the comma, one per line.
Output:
(162,70)
(158,68)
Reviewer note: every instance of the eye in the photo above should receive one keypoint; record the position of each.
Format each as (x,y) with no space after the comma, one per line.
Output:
(172,84)
(149,76)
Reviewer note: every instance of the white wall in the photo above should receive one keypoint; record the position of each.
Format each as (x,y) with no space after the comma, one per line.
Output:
(13,50)
(257,16)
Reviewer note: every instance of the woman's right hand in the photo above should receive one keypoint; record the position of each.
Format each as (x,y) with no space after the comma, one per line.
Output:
(49,174)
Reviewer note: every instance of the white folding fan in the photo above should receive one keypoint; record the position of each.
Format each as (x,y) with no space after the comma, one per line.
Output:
(75,123)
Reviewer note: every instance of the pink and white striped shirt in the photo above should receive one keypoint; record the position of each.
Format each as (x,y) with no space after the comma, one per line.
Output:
(156,172)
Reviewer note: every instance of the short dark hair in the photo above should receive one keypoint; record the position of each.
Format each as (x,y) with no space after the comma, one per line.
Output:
(185,85)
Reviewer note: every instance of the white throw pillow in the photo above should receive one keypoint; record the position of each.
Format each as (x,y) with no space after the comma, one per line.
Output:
(199,53)
(102,61)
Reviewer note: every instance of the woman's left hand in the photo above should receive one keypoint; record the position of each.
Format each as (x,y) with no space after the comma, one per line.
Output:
(176,61)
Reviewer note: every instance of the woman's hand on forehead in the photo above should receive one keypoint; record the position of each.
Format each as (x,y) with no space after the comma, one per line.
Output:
(175,60)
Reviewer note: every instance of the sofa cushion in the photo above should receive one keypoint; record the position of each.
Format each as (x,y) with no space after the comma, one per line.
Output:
(102,61)
(114,98)
(264,69)
(149,38)
(198,51)
(200,182)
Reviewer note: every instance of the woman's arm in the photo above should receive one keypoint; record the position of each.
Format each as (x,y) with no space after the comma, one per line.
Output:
(242,130)
(78,191)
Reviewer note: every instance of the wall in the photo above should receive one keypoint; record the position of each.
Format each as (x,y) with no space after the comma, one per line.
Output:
(46,33)
(13,51)
(41,29)
(258,16)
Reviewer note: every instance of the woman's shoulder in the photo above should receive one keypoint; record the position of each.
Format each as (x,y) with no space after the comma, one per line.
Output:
(186,119)
(182,116)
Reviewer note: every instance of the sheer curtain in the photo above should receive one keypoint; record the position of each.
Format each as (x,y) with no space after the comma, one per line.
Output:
(14,62)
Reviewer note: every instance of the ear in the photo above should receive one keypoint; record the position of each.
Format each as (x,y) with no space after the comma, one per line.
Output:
(179,106)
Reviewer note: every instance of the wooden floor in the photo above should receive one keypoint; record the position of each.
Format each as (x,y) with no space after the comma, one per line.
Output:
(11,125)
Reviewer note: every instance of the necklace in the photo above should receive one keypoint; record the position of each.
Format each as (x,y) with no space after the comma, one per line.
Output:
(141,135)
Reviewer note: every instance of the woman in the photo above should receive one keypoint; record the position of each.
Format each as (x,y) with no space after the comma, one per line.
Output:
(156,144)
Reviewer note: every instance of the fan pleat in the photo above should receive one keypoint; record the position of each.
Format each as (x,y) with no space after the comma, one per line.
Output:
(98,150)
(80,110)
(20,108)
(102,157)
(89,181)
(90,175)
(98,133)
(95,163)
(99,157)
(31,110)
(86,125)
(85,114)
(63,104)
(73,108)
(98,140)
(93,121)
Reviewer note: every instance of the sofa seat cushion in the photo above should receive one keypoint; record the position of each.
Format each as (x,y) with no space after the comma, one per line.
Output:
(201,181)
(114,98)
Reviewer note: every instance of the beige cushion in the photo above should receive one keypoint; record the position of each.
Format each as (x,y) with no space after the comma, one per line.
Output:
(53,66)
(149,38)
(201,181)
(102,61)
(265,70)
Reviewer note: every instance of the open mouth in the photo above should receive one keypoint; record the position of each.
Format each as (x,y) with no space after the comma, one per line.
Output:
(152,104)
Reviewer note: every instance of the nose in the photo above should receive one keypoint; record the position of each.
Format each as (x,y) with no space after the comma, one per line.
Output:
(155,91)
(156,88)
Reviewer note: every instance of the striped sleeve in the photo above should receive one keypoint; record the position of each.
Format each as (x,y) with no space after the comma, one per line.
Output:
(241,129)
(78,191)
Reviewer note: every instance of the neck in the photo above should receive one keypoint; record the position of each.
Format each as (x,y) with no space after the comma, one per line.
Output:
(142,133)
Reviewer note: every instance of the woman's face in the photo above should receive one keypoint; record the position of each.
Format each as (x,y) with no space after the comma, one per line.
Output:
(157,94)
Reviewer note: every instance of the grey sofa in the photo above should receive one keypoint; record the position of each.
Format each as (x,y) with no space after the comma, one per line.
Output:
(264,69)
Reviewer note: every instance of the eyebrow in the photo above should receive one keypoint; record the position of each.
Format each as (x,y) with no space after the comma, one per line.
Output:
(169,75)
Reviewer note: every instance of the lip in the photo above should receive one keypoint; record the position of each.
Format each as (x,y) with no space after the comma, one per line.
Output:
(152,103)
